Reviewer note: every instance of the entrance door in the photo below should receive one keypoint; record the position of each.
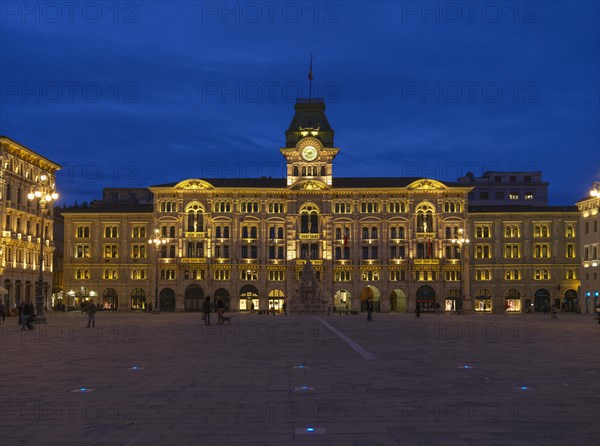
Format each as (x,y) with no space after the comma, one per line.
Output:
(167,299)
(541,300)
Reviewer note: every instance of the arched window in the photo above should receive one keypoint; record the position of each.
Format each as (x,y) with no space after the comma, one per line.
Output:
(195,221)
(244,231)
(280,233)
(374,232)
(226,232)
(295,171)
(253,232)
(393,232)
(172,232)
(425,218)
(218,232)
(309,220)
(323,171)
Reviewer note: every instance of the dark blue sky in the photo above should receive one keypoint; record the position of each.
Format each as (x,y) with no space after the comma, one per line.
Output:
(149,92)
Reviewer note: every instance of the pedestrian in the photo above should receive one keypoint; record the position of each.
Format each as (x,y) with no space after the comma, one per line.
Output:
(91,311)
(284,306)
(369,309)
(206,310)
(2,312)
(328,309)
(22,316)
(506,307)
(150,307)
(220,311)
(418,311)
(438,308)
(554,313)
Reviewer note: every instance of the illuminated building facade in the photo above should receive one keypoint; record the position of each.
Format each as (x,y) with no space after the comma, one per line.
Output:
(245,241)
(589,228)
(21,219)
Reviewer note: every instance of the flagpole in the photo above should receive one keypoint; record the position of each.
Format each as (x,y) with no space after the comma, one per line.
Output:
(310,79)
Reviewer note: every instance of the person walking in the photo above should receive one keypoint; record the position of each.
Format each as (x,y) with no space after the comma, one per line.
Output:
(206,310)
(2,312)
(553,312)
(418,311)
(284,307)
(438,308)
(369,309)
(91,311)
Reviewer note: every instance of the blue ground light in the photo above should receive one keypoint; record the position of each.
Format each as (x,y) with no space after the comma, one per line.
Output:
(310,429)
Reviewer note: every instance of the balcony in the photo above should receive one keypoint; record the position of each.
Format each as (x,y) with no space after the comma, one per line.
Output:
(370,262)
(343,261)
(314,262)
(425,235)
(192,259)
(397,261)
(426,261)
(195,234)
(249,261)
(309,236)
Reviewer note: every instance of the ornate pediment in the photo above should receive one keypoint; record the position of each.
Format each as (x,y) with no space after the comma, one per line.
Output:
(310,185)
(426,184)
(193,184)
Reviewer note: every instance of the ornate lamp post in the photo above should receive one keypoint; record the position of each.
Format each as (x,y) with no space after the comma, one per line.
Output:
(460,241)
(595,191)
(45,194)
(157,240)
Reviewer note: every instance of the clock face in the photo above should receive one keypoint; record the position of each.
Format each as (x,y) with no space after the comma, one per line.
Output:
(309,153)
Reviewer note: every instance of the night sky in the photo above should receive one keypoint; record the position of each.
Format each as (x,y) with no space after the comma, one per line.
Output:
(143,93)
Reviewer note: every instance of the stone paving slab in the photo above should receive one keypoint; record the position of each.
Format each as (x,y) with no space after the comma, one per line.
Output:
(169,380)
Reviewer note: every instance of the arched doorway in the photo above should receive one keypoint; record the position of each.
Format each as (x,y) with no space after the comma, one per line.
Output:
(276,299)
(194,295)
(398,301)
(249,298)
(483,301)
(570,301)
(541,300)
(167,299)
(370,292)
(512,301)
(110,299)
(426,298)
(450,303)
(341,301)
(138,299)
(223,295)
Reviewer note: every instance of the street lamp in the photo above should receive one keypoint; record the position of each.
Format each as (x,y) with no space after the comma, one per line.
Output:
(459,241)
(157,240)
(45,193)
(595,191)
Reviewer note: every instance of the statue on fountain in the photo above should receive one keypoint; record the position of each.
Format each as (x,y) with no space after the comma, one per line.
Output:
(308,295)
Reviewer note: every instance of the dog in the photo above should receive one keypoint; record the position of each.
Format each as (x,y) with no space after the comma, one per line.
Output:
(226,319)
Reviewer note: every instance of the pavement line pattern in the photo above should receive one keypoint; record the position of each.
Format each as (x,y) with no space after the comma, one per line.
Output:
(361,351)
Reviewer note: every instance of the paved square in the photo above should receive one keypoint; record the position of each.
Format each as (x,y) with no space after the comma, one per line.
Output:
(141,379)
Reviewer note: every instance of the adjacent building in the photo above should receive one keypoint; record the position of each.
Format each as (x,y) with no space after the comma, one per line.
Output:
(589,209)
(507,188)
(396,240)
(23,171)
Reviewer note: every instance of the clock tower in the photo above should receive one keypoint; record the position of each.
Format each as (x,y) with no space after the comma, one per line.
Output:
(309,149)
